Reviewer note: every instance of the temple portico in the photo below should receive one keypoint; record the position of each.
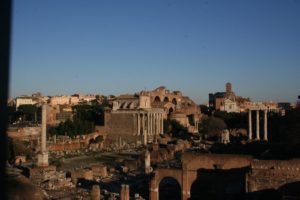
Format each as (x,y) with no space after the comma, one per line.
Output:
(258,108)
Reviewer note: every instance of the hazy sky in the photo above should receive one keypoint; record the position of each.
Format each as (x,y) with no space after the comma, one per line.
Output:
(115,47)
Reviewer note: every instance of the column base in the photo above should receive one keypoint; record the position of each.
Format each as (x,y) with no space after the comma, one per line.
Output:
(43,159)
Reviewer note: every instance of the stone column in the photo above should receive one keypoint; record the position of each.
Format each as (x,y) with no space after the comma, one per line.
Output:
(266,125)
(250,125)
(44,121)
(162,124)
(138,124)
(158,124)
(155,124)
(43,155)
(124,194)
(151,124)
(148,123)
(257,125)
(96,193)
(147,162)
(153,190)
(185,189)
(143,123)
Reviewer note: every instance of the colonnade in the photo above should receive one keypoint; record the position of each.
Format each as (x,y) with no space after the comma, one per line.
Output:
(257,124)
(150,123)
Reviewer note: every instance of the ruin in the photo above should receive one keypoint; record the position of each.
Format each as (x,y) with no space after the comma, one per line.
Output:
(43,155)
(219,176)
(258,107)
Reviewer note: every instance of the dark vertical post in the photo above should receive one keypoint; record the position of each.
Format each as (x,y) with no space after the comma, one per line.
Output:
(5,28)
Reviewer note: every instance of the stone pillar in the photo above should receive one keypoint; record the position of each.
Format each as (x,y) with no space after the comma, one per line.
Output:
(185,189)
(153,190)
(154,124)
(95,193)
(143,123)
(147,162)
(43,155)
(148,123)
(124,194)
(257,125)
(145,137)
(266,125)
(158,123)
(151,124)
(54,139)
(44,127)
(250,125)
(138,124)
(162,124)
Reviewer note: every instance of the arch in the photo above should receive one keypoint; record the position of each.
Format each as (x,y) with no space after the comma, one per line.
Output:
(157,99)
(171,110)
(174,101)
(169,188)
(166,99)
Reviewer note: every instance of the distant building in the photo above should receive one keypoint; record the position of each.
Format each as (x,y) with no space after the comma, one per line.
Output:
(25,100)
(139,117)
(228,101)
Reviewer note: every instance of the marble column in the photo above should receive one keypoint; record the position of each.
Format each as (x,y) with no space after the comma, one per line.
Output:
(151,124)
(43,155)
(148,123)
(143,123)
(44,118)
(158,123)
(250,125)
(257,125)
(162,124)
(138,125)
(266,125)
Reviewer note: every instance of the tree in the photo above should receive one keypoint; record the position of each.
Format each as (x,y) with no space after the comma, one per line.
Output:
(28,112)
(233,120)
(212,126)
(177,129)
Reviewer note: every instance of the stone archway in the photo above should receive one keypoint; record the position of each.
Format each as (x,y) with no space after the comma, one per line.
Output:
(174,101)
(169,188)
(166,99)
(157,99)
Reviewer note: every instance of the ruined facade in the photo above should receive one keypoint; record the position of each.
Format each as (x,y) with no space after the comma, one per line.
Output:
(139,117)
(133,119)
(177,107)
(203,176)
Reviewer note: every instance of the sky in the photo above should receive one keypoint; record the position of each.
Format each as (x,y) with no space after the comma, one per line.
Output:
(125,46)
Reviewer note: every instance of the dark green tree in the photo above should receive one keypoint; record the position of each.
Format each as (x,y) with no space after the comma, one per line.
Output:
(212,126)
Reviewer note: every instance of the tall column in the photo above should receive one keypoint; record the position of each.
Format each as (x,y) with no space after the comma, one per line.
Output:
(154,123)
(124,194)
(250,125)
(148,123)
(143,123)
(158,123)
(95,193)
(162,124)
(266,125)
(257,125)
(44,121)
(43,155)
(138,125)
(151,115)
